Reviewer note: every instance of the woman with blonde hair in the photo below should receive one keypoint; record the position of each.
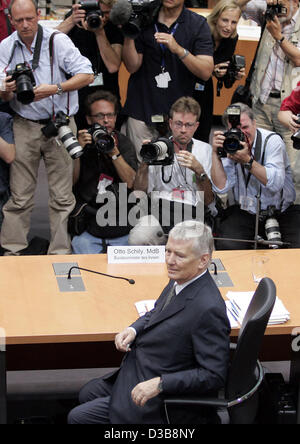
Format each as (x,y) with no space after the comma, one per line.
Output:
(223,22)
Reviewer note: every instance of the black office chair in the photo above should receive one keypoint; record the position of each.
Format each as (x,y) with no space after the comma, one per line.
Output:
(245,373)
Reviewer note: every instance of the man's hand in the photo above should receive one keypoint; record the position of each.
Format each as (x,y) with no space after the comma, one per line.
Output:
(145,391)
(78,15)
(218,141)
(168,40)
(124,339)
(188,160)
(241,156)
(84,137)
(43,91)
(274,28)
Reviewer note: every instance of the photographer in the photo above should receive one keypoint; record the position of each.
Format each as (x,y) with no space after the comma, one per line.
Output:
(91,31)
(25,55)
(164,61)
(188,173)
(7,155)
(290,111)
(276,67)
(258,167)
(99,172)
(223,21)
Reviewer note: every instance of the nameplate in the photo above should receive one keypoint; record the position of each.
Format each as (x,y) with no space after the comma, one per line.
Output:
(136,255)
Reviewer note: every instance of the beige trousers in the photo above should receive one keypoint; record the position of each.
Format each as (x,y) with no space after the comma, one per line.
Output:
(267,117)
(31,146)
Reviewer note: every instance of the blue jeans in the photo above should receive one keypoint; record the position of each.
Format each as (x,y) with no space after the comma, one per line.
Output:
(88,244)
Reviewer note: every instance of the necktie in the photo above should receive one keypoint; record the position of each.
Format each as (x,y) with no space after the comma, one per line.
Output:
(169,297)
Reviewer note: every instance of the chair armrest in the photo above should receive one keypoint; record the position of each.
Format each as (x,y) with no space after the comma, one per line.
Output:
(192,400)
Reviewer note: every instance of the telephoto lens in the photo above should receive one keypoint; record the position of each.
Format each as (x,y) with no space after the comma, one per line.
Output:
(70,142)
(272,231)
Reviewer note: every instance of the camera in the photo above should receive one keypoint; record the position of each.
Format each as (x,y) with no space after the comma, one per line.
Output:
(25,82)
(59,127)
(296,137)
(234,136)
(158,152)
(134,15)
(237,62)
(93,13)
(272,228)
(274,10)
(103,141)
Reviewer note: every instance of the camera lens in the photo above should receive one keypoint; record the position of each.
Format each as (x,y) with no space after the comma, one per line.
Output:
(153,152)
(25,92)
(93,20)
(103,141)
(70,142)
(272,231)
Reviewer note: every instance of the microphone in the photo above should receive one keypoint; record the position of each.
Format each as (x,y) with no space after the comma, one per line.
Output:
(131,281)
(120,12)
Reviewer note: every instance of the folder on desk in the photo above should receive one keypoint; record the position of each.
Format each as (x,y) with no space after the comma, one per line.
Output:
(238,303)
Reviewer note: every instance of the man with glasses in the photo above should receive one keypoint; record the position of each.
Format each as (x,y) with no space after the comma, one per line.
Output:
(103,175)
(102,45)
(186,176)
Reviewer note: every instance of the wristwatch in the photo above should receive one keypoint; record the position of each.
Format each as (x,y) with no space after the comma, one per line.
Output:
(248,165)
(59,89)
(185,54)
(115,156)
(202,177)
(160,387)
(280,41)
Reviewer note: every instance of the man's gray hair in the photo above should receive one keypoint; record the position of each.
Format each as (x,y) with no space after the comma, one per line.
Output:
(197,232)
(34,2)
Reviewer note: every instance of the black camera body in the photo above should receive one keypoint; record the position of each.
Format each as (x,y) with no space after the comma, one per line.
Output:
(296,137)
(272,228)
(237,63)
(93,13)
(275,10)
(158,152)
(234,136)
(103,141)
(143,14)
(25,82)
(59,127)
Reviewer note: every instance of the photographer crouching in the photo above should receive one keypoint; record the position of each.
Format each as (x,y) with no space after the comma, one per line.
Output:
(37,89)
(175,171)
(103,177)
(251,164)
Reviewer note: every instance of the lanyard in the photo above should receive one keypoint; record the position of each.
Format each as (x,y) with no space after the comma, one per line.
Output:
(163,47)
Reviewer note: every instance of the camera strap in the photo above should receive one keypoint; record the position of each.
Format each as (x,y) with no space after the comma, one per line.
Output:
(163,47)
(36,53)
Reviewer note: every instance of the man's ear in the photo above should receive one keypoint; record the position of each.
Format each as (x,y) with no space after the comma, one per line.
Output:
(204,261)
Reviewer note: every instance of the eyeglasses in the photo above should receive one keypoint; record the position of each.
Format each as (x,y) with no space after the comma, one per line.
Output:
(187,125)
(102,116)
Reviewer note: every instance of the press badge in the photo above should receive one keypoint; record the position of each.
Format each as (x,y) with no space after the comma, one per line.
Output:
(178,193)
(98,80)
(162,80)
(199,87)
(104,182)
(247,203)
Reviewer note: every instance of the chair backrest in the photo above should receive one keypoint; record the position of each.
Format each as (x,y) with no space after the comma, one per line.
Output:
(241,377)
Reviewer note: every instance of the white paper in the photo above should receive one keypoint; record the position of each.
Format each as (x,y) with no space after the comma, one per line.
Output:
(144,306)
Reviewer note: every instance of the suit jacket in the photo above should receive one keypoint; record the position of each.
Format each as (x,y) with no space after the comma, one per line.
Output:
(187,344)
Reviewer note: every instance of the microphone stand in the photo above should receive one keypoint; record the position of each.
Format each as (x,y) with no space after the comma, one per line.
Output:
(131,281)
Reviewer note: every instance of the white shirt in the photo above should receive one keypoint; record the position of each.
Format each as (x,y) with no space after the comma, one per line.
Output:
(171,177)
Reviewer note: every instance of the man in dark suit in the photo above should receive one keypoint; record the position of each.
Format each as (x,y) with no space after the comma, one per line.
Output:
(180,347)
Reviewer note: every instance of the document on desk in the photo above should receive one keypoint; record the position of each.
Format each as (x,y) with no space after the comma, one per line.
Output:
(238,303)
(144,306)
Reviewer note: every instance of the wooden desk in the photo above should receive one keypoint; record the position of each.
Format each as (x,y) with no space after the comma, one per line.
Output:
(46,328)
(34,311)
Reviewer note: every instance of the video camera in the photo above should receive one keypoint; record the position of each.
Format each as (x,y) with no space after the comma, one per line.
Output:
(93,13)
(296,137)
(103,141)
(59,127)
(234,136)
(275,10)
(25,82)
(272,228)
(134,15)
(158,152)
